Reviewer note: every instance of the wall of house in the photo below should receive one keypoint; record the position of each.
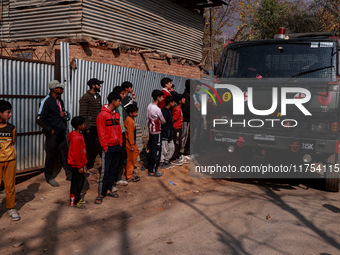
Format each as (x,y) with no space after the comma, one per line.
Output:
(147,61)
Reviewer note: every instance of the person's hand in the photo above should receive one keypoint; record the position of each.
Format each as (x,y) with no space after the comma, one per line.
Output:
(81,170)
(133,95)
(62,114)
(52,132)
(132,149)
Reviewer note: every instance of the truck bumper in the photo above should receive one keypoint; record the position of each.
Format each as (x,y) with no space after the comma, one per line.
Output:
(283,143)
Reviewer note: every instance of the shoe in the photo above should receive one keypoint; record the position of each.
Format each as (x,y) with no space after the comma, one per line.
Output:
(79,205)
(114,189)
(93,171)
(187,157)
(177,163)
(168,164)
(53,183)
(183,160)
(13,214)
(122,182)
(134,178)
(112,194)
(157,174)
(164,166)
(82,201)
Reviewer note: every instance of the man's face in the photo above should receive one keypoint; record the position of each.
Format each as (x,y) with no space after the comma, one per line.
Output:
(116,103)
(97,87)
(59,90)
(6,115)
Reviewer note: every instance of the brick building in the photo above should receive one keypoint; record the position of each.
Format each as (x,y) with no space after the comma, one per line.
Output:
(162,36)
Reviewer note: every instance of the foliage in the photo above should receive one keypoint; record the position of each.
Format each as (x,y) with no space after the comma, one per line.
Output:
(213,42)
(328,13)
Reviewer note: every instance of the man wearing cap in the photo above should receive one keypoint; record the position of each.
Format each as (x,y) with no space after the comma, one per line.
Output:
(90,107)
(52,118)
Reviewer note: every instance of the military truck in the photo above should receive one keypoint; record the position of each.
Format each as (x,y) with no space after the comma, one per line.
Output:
(300,66)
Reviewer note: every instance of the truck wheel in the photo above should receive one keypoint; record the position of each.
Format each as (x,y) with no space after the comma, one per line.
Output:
(332,177)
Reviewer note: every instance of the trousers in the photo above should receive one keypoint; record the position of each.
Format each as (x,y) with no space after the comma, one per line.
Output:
(7,175)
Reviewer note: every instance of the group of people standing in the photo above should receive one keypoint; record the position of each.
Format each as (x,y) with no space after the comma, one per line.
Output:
(113,126)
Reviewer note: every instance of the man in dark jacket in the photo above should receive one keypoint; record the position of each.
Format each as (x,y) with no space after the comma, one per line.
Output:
(186,119)
(52,118)
(90,106)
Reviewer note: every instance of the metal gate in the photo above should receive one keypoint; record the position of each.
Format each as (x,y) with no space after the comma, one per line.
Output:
(24,84)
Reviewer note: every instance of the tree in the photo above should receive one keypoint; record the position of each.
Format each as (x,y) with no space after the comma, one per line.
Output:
(213,39)
(328,14)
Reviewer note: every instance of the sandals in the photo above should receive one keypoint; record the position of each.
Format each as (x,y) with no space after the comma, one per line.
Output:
(98,200)
(134,178)
(114,195)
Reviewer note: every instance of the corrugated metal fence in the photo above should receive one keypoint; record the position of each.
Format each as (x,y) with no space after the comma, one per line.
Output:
(24,85)
(144,82)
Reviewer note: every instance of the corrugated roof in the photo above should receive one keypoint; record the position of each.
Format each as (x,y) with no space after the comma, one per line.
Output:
(160,25)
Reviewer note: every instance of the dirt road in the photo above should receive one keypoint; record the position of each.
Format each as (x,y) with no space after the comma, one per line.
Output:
(153,216)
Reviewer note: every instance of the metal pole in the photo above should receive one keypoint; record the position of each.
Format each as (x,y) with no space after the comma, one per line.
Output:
(211,43)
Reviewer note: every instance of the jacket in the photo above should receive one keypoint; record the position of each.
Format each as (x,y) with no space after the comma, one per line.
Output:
(166,93)
(186,106)
(89,107)
(49,115)
(8,136)
(155,119)
(130,132)
(177,116)
(167,128)
(108,128)
(77,150)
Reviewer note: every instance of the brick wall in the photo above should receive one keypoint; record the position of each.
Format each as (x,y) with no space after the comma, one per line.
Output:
(131,58)
(144,61)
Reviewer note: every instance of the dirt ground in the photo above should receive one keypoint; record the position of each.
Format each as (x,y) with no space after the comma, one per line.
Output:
(48,223)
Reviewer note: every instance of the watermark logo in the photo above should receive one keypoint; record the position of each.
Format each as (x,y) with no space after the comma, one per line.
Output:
(239,98)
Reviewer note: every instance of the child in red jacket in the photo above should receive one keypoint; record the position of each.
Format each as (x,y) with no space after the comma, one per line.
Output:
(177,116)
(77,160)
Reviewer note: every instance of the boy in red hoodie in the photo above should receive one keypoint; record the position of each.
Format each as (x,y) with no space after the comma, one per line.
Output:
(77,160)
(177,116)
(111,140)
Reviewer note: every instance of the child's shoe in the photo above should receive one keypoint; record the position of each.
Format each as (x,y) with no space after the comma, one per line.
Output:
(13,214)
(80,205)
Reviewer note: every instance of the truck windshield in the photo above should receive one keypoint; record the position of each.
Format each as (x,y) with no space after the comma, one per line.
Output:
(281,60)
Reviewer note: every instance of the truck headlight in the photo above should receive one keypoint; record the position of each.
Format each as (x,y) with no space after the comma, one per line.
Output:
(318,127)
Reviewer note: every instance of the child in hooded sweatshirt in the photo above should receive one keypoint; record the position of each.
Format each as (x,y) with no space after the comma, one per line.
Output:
(77,160)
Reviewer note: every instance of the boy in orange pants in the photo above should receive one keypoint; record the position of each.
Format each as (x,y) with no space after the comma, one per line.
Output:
(131,147)
(7,157)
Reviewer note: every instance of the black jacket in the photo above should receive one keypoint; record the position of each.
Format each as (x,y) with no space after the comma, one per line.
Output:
(186,106)
(49,116)
(167,130)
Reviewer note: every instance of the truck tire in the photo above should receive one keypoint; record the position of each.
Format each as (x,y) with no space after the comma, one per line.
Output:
(332,177)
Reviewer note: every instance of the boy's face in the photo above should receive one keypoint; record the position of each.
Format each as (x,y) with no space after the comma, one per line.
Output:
(172,104)
(182,101)
(130,90)
(82,126)
(122,95)
(160,99)
(134,114)
(168,86)
(6,115)
(116,103)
